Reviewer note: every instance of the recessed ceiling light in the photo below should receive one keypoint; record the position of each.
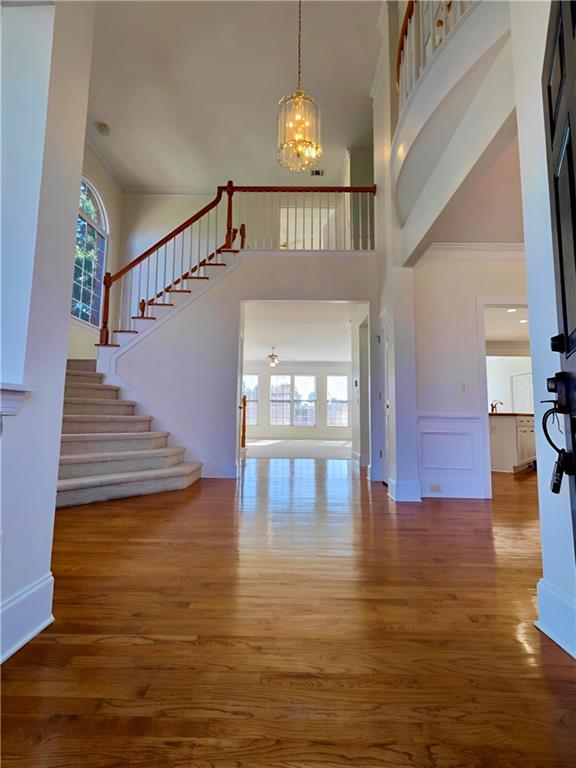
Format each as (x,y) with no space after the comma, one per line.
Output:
(522,321)
(512,310)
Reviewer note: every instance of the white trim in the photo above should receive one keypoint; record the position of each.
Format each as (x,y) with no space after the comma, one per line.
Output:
(315,254)
(12,397)
(461,415)
(557,610)
(475,252)
(104,162)
(84,324)
(26,614)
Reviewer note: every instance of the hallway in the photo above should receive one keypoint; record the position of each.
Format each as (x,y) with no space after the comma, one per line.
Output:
(301,621)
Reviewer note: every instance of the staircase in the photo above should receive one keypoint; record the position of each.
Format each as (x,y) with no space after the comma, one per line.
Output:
(107,452)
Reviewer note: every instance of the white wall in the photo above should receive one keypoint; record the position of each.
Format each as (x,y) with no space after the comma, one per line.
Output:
(147,218)
(499,373)
(557,588)
(319,432)
(399,461)
(82,336)
(450,362)
(31,439)
(192,390)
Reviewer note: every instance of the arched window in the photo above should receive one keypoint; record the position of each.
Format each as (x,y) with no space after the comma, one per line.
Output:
(90,256)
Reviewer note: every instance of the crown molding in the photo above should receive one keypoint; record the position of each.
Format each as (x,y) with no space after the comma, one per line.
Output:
(108,167)
(475,252)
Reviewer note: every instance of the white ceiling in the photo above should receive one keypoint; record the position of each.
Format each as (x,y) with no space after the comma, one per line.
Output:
(301,331)
(501,325)
(492,211)
(190,89)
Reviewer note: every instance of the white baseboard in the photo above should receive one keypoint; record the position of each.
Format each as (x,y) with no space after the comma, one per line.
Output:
(404,490)
(26,614)
(557,617)
(219,470)
(362,459)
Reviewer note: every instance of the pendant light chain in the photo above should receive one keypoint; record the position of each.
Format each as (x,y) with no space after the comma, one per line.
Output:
(299,44)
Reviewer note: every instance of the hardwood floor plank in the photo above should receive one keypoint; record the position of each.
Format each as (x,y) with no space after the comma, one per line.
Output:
(298,620)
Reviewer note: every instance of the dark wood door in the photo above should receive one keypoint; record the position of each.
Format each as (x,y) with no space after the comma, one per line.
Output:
(559,88)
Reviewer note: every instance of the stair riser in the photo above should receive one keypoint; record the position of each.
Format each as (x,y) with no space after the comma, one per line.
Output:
(99,392)
(83,378)
(84,447)
(71,426)
(81,365)
(124,490)
(111,408)
(119,465)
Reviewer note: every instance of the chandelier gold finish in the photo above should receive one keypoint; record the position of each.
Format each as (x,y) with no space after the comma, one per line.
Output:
(299,145)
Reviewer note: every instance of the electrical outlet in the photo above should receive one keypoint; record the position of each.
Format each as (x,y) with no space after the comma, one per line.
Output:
(435,488)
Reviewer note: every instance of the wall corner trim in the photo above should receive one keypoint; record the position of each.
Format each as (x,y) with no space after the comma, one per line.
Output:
(557,616)
(404,490)
(26,614)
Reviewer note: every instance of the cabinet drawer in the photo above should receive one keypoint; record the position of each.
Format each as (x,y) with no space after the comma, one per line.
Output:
(525,421)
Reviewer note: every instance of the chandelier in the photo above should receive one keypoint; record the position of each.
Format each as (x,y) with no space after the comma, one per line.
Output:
(273,359)
(299,144)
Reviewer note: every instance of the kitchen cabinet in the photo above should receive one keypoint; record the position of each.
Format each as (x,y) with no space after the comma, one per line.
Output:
(512,443)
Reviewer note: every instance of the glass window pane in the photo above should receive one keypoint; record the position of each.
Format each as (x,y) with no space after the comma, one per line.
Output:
(304,387)
(304,413)
(337,414)
(250,385)
(89,258)
(89,204)
(279,414)
(252,413)
(337,387)
(280,387)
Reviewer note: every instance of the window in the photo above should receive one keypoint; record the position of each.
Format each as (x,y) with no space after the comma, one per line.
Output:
(304,401)
(280,400)
(292,400)
(89,257)
(250,390)
(337,401)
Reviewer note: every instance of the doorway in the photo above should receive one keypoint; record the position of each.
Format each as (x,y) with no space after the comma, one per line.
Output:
(304,380)
(509,393)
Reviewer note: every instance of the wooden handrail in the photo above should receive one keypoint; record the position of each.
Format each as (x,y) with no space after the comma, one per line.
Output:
(410,8)
(371,189)
(134,263)
(231,233)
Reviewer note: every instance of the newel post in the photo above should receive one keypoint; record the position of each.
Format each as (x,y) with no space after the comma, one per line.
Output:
(229,232)
(243,430)
(104,330)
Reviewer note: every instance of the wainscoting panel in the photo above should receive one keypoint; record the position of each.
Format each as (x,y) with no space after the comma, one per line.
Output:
(452,455)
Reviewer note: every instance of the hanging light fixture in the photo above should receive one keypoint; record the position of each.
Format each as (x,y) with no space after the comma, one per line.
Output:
(273,359)
(299,144)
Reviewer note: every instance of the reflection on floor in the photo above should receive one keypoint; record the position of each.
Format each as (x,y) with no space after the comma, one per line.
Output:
(295,619)
(294,449)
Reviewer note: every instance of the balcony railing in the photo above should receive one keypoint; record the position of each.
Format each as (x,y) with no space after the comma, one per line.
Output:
(425,26)
(239,217)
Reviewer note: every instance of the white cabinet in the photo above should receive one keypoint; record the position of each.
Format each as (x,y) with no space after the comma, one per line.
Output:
(512,444)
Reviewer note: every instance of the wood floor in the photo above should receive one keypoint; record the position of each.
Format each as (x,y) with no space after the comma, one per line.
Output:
(300,621)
